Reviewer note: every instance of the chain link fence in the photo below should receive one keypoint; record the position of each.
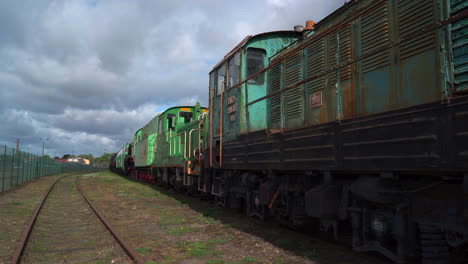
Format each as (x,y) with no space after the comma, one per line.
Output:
(17,167)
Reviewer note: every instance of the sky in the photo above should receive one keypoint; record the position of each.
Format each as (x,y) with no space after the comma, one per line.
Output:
(81,76)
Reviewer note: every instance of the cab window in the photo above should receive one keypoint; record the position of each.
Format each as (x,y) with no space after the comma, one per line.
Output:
(255,60)
(186,116)
(221,79)
(171,121)
(212,83)
(234,70)
(161,128)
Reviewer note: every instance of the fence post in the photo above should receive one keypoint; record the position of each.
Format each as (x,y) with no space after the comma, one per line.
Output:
(29,166)
(22,168)
(12,167)
(36,165)
(4,168)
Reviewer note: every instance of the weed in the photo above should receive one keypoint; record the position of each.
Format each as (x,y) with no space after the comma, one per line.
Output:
(178,231)
(123,193)
(215,261)
(227,225)
(248,259)
(219,240)
(15,203)
(143,250)
(151,262)
(210,220)
(278,261)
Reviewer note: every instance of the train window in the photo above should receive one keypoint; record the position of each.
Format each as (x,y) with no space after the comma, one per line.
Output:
(186,116)
(234,70)
(161,125)
(255,62)
(221,79)
(171,121)
(212,83)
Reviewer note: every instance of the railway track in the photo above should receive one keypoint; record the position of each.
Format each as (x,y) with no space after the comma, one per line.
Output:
(67,228)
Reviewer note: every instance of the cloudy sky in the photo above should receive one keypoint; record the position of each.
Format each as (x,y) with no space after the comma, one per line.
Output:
(85,74)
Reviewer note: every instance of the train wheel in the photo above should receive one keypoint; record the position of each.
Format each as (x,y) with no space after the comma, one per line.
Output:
(254,206)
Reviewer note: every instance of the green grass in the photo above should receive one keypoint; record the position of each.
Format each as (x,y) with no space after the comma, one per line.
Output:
(215,261)
(219,240)
(179,231)
(248,259)
(203,249)
(143,250)
(15,203)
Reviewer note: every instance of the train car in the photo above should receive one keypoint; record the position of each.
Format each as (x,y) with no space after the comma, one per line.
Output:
(121,160)
(167,150)
(356,126)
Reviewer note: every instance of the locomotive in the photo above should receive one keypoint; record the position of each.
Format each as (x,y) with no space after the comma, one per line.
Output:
(355,126)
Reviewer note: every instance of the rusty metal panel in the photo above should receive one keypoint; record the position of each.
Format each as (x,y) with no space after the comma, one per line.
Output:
(315,66)
(418,64)
(459,33)
(293,98)
(375,33)
(275,101)
(414,16)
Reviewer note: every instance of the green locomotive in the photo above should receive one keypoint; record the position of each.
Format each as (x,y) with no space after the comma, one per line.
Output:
(168,148)
(356,126)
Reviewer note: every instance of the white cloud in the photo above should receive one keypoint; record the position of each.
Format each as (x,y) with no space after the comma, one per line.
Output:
(89,73)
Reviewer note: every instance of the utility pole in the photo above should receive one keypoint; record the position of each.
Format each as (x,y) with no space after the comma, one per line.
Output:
(43,144)
(17,145)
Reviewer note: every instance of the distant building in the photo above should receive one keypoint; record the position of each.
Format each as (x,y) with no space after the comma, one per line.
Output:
(79,160)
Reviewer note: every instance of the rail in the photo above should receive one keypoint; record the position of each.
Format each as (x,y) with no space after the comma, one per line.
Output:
(27,232)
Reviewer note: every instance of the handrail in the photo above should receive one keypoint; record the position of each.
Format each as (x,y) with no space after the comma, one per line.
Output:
(190,141)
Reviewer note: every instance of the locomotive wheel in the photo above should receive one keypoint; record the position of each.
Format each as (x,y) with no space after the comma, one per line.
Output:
(254,207)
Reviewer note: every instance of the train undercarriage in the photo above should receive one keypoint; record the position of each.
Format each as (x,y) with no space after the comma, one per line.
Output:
(406,218)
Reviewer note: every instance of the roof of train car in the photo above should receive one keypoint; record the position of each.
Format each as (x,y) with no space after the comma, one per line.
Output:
(249,37)
(246,40)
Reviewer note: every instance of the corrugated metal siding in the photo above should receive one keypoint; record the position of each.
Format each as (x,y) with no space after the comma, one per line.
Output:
(294,96)
(459,33)
(316,65)
(414,15)
(275,101)
(375,33)
(345,52)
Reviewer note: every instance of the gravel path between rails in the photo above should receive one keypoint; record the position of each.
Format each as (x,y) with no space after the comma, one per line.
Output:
(68,231)
(16,208)
(167,227)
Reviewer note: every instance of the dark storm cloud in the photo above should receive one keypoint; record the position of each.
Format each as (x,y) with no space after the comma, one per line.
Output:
(87,73)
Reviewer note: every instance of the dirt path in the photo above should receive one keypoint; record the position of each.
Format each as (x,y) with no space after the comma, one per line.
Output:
(167,227)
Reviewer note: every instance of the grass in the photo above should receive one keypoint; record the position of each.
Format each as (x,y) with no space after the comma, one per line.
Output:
(179,231)
(248,259)
(203,249)
(143,250)
(215,261)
